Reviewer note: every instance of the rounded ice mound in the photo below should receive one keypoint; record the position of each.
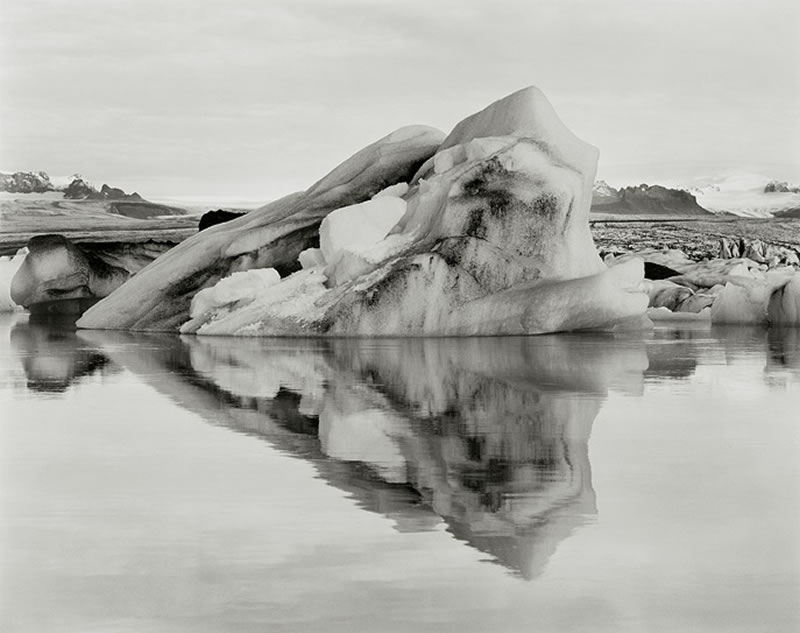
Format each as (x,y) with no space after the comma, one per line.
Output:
(57,269)
(494,240)
(244,286)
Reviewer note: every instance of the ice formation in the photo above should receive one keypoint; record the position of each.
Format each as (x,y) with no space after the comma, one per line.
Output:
(358,226)
(484,232)
(725,291)
(310,258)
(239,286)
(745,299)
(494,240)
(56,269)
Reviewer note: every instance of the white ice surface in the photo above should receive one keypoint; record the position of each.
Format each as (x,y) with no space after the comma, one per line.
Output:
(354,262)
(242,286)
(528,114)
(292,300)
(311,258)
(474,149)
(359,225)
(8,268)
(397,191)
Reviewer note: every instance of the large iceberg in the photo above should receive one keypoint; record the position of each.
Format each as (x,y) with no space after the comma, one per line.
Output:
(491,237)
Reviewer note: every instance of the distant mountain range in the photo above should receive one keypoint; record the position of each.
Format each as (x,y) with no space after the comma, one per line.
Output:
(77,189)
(119,203)
(644,200)
(740,194)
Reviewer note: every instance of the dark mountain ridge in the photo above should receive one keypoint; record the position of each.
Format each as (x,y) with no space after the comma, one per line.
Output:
(644,200)
(126,204)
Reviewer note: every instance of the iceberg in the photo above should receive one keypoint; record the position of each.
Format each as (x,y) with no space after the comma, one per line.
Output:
(488,235)
(746,298)
(55,269)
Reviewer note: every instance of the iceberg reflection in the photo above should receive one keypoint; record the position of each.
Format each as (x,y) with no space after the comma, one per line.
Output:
(486,437)
(54,359)
(489,436)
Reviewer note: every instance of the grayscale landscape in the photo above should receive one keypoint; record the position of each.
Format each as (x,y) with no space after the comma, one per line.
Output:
(348,316)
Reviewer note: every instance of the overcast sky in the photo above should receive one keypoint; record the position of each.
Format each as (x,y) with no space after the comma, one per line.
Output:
(256,99)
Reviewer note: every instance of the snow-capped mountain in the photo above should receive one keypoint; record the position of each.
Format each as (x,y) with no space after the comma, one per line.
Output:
(73,187)
(603,193)
(746,194)
(739,193)
(20,191)
(25,182)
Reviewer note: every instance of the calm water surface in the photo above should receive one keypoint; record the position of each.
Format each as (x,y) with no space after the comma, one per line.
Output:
(553,483)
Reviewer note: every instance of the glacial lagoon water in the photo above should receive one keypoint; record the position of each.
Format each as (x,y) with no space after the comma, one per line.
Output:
(556,483)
